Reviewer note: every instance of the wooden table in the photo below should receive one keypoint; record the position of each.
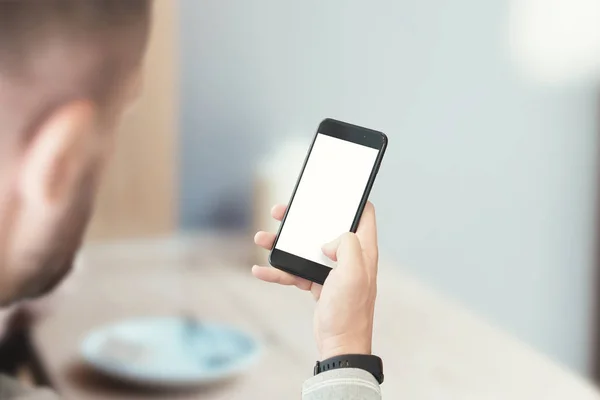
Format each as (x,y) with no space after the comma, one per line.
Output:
(432,348)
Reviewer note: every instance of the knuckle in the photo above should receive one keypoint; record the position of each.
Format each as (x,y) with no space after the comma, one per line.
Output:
(349,238)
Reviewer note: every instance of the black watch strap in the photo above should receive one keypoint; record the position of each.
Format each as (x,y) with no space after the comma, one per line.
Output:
(369,363)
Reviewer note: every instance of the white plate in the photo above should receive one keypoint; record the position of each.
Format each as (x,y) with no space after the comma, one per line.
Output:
(170,352)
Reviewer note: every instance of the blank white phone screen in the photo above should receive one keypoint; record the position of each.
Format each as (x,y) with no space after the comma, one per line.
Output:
(327,198)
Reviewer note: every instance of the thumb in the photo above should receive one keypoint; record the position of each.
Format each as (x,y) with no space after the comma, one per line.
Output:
(343,249)
(330,249)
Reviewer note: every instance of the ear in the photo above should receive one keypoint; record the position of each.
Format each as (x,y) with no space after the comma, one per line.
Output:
(62,151)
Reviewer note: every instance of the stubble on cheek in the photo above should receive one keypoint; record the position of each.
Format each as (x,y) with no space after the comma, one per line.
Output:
(8,215)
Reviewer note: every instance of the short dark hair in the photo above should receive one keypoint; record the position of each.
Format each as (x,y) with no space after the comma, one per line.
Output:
(98,41)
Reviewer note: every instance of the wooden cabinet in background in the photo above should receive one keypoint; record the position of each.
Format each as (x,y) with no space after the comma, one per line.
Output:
(139,193)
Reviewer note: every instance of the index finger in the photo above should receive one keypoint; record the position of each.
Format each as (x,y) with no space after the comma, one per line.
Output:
(367,231)
(278,211)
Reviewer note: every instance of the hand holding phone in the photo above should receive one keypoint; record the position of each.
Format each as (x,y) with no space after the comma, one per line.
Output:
(345,304)
(329,197)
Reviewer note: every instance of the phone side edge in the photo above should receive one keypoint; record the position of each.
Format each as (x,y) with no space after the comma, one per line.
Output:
(370,183)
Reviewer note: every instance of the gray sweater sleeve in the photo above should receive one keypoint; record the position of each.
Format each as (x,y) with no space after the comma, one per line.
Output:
(341,384)
(13,390)
(338,384)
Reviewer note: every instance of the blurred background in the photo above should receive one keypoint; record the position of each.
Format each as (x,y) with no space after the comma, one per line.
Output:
(488,192)
(488,188)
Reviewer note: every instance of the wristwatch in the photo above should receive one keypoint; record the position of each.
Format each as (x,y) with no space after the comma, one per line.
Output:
(369,363)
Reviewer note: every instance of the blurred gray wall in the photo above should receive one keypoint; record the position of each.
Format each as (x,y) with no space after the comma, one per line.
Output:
(487,190)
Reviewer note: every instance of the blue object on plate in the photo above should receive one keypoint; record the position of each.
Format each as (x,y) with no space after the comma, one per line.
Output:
(169,352)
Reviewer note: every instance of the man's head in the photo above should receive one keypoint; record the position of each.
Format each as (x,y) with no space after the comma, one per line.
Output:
(68,69)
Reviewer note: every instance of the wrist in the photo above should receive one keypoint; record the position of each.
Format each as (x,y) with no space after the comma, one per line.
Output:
(342,346)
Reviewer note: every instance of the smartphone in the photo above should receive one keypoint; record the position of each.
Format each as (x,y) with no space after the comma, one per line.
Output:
(329,197)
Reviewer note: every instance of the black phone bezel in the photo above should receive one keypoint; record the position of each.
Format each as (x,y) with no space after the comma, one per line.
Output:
(308,269)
